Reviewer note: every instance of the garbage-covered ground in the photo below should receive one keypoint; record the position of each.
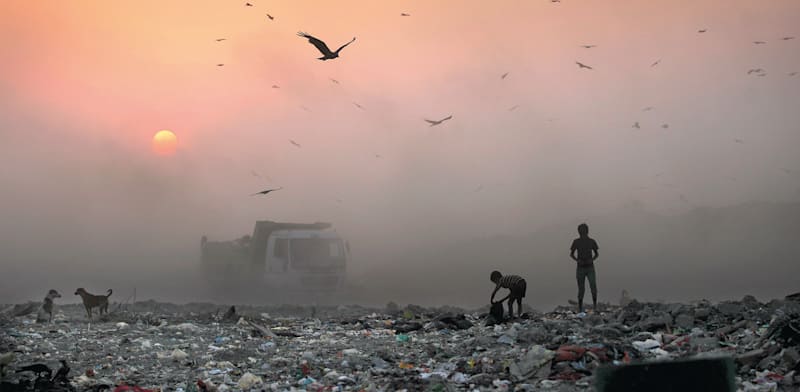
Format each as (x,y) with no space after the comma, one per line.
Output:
(196,347)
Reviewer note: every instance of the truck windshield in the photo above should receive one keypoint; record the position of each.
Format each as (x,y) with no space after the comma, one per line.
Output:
(316,252)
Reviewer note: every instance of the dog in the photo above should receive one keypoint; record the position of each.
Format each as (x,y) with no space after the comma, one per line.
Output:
(47,307)
(94,301)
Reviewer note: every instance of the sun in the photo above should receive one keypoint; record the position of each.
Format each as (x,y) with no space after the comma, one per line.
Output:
(165,142)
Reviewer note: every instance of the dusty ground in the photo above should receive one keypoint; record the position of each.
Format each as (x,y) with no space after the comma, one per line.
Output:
(170,347)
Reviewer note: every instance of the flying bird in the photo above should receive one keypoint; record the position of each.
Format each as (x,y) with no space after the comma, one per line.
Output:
(264,192)
(220,64)
(305,108)
(404,14)
(647,109)
(665,126)
(683,198)
(221,39)
(294,143)
(275,86)
(740,141)
(582,65)
(270,17)
(334,80)
(792,73)
(326,52)
(434,122)
(702,30)
(655,63)
(588,46)
(358,106)
(377,155)
(755,70)
(787,38)
(759,42)
(248,5)
(636,125)
(511,109)
(503,76)
(478,189)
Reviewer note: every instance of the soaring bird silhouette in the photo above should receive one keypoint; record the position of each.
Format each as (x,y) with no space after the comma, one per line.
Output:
(264,192)
(588,46)
(636,125)
(503,76)
(294,143)
(404,14)
(759,42)
(702,30)
(359,106)
(655,63)
(740,141)
(221,39)
(437,122)
(326,52)
(511,109)
(248,5)
(665,126)
(647,109)
(62,374)
(334,80)
(270,17)
(792,73)
(275,86)
(755,70)
(787,38)
(582,65)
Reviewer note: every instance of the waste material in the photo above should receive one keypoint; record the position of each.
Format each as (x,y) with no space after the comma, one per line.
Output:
(194,347)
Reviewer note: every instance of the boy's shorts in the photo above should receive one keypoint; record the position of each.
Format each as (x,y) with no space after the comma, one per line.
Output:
(518,291)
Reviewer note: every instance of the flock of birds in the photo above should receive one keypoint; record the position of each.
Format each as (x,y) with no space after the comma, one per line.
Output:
(328,54)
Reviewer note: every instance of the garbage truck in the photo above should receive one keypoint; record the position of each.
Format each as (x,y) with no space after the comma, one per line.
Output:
(299,256)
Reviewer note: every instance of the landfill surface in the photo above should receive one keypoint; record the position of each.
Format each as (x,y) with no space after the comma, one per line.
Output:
(149,346)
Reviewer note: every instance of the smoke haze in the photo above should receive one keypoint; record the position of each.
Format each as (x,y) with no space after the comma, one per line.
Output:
(708,207)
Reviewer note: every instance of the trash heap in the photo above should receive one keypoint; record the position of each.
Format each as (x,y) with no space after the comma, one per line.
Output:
(153,346)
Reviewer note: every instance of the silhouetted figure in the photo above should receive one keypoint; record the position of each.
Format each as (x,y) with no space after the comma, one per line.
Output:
(515,284)
(62,375)
(326,52)
(586,249)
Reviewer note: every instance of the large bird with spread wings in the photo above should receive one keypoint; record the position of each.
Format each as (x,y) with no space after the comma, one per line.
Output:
(326,52)
(437,122)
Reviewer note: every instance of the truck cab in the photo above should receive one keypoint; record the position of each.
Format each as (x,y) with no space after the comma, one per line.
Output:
(287,256)
(305,259)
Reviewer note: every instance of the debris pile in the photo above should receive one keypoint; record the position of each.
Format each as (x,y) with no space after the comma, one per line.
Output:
(205,347)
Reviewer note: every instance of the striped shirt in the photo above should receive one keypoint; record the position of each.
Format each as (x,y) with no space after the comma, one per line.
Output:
(509,281)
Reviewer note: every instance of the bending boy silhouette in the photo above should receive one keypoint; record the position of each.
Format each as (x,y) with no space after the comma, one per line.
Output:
(515,284)
(586,249)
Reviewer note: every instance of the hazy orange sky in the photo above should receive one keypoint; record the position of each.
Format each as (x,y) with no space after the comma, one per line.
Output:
(85,85)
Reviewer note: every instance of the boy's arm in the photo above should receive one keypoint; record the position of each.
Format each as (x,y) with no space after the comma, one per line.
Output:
(494,292)
(596,254)
(572,250)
